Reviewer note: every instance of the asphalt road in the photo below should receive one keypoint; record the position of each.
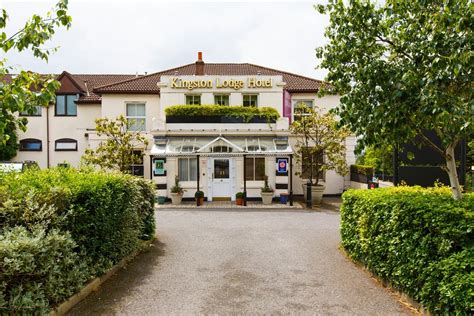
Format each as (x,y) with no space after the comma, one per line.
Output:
(211,262)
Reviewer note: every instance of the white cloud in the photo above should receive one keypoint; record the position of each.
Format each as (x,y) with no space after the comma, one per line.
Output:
(138,36)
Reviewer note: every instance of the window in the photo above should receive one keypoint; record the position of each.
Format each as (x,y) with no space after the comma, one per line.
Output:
(187,169)
(250,100)
(221,99)
(30,144)
(254,169)
(221,149)
(35,111)
(298,112)
(65,144)
(66,105)
(193,99)
(309,160)
(187,149)
(136,117)
(137,168)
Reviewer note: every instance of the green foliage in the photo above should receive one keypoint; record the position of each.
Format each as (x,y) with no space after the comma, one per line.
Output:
(400,74)
(239,195)
(266,187)
(61,227)
(118,150)
(9,148)
(245,112)
(320,143)
(199,194)
(420,240)
(177,188)
(380,158)
(26,89)
(362,169)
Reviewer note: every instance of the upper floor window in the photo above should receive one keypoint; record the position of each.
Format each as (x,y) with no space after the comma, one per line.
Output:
(136,117)
(193,99)
(34,111)
(299,108)
(250,100)
(221,99)
(66,105)
(30,144)
(65,144)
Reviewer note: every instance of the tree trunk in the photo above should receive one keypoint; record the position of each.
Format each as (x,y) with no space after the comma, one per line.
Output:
(452,172)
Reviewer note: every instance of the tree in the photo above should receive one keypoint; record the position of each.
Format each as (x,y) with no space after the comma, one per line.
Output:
(25,90)
(319,143)
(403,68)
(9,148)
(119,150)
(378,157)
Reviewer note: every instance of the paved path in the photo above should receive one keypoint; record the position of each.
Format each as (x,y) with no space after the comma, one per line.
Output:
(212,262)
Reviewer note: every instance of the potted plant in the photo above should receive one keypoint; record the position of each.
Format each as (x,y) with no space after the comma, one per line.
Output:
(239,198)
(176,192)
(199,196)
(266,192)
(320,146)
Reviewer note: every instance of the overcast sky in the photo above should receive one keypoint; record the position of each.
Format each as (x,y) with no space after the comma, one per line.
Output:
(115,36)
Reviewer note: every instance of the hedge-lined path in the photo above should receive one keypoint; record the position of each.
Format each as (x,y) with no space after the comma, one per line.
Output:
(243,262)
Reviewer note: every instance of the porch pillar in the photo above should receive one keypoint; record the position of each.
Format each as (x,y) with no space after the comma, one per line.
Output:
(245,182)
(291,180)
(197,177)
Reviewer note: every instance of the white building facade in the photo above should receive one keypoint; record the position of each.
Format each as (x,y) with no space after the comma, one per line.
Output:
(217,155)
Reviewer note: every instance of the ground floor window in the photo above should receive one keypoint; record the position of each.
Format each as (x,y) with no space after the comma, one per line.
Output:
(30,144)
(137,168)
(187,169)
(254,169)
(309,160)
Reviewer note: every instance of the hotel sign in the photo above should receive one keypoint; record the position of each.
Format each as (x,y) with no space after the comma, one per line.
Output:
(236,84)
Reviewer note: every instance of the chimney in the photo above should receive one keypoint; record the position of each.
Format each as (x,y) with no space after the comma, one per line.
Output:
(199,65)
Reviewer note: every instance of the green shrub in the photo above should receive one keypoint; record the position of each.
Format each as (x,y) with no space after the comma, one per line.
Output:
(420,240)
(245,112)
(96,218)
(362,169)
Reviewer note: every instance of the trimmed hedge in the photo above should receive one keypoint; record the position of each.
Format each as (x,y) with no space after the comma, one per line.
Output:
(362,169)
(61,227)
(420,240)
(245,112)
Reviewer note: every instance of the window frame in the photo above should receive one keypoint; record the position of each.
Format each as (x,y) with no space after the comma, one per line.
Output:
(127,117)
(295,103)
(189,177)
(250,95)
(30,140)
(65,140)
(33,115)
(221,95)
(140,153)
(186,96)
(65,105)
(254,158)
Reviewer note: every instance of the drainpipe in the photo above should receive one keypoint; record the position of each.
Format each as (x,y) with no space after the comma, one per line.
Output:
(47,137)
(151,167)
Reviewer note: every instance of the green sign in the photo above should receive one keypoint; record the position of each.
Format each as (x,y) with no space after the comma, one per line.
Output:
(159,169)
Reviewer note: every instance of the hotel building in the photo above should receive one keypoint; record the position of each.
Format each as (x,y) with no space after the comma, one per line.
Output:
(222,156)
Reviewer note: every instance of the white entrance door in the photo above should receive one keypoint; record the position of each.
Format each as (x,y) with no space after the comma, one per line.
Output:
(221,178)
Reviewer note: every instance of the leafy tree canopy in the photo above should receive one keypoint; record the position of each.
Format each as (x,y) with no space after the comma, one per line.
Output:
(118,151)
(402,68)
(25,90)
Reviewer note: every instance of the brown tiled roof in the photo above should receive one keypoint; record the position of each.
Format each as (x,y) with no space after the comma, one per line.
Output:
(148,84)
(89,82)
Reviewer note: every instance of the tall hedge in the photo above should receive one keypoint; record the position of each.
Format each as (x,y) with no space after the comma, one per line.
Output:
(420,240)
(61,227)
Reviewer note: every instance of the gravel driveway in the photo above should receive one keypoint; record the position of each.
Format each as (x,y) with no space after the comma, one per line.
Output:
(222,262)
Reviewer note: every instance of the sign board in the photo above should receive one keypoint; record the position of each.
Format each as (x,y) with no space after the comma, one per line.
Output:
(236,84)
(159,167)
(282,165)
